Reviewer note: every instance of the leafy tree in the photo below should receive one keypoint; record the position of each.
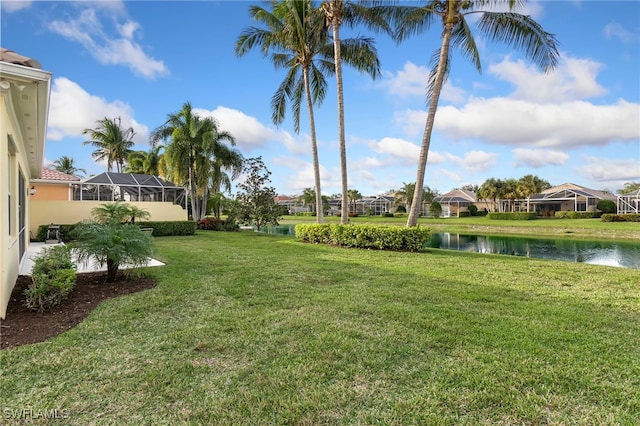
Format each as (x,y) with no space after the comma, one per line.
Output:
(471,187)
(113,143)
(256,200)
(354,195)
(406,193)
(359,53)
(308,197)
(111,239)
(66,165)
(630,188)
(517,30)
(529,185)
(296,39)
(435,209)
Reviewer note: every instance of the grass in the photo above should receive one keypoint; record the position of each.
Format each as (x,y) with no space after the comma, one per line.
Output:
(249,328)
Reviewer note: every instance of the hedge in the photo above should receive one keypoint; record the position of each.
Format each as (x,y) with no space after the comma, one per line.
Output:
(626,217)
(160,229)
(577,215)
(378,237)
(512,215)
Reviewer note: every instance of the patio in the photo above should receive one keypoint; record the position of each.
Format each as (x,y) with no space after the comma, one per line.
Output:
(34,249)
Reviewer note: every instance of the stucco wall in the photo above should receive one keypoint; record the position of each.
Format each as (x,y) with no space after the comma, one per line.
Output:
(44,212)
(51,191)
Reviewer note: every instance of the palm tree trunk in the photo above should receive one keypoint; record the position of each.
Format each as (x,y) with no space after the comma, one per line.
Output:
(314,145)
(426,138)
(192,192)
(112,270)
(335,7)
(203,206)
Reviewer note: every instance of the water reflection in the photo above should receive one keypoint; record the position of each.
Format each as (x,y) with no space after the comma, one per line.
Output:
(620,254)
(609,253)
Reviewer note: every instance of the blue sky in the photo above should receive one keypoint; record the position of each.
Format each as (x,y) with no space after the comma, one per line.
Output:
(142,60)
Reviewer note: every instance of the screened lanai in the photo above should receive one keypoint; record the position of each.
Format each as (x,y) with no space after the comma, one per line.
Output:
(629,203)
(110,186)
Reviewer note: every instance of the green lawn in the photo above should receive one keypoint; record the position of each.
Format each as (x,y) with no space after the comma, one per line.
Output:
(247,328)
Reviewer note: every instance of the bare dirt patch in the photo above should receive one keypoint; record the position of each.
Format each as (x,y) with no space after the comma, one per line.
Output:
(23,326)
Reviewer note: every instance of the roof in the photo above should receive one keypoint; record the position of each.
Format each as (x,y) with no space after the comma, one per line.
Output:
(12,57)
(570,191)
(129,179)
(52,174)
(457,196)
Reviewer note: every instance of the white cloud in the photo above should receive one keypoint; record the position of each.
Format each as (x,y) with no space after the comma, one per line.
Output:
(569,125)
(412,81)
(251,134)
(301,176)
(72,109)
(14,6)
(474,161)
(537,158)
(110,49)
(615,30)
(602,170)
(574,79)
(403,151)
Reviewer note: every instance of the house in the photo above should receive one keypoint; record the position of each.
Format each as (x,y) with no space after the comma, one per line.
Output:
(71,201)
(52,185)
(458,200)
(567,197)
(629,203)
(24,93)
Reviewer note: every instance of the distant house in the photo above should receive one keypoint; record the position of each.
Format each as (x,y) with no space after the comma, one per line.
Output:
(71,201)
(53,185)
(24,108)
(567,197)
(458,200)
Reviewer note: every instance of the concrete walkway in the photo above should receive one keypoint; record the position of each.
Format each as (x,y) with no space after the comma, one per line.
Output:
(34,249)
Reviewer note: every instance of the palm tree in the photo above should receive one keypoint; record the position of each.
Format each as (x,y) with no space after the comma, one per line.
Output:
(145,162)
(354,195)
(308,197)
(529,185)
(195,142)
(337,12)
(517,30)
(66,165)
(113,143)
(295,37)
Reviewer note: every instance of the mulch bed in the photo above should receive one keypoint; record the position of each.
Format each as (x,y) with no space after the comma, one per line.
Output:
(23,326)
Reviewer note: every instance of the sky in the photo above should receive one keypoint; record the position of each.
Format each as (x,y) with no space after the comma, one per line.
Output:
(142,60)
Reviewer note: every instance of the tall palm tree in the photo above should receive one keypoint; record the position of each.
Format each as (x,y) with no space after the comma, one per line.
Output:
(529,185)
(354,195)
(337,12)
(308,197)
(295,38)
(66,165)
(113,143)
(515,29)
(194,144)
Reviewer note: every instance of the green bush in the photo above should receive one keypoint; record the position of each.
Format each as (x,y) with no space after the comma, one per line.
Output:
(401,215)
(216,224)
(607,206)
(401,209)
(378,237)
(172,227)
(52,279)
(577,215)
(464,214)
(473,209)
(305,214)
(512,215)
(435,209)
(66,232)
(626,217)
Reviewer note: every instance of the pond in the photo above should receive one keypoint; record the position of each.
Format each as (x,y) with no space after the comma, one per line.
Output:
(610,253)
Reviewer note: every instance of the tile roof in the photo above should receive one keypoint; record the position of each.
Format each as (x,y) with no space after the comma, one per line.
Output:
(12,57)
(52,174)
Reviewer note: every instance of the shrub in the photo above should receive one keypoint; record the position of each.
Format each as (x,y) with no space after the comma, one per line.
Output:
(435,209)
(577,215)
(216,224)
(172,227)
(401,209)
(473,209)
(512,215)
(52,279)
(378,237)
(607,206)
(626,217)
(401,214)
(387,214)
(464,214)
(66,232)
